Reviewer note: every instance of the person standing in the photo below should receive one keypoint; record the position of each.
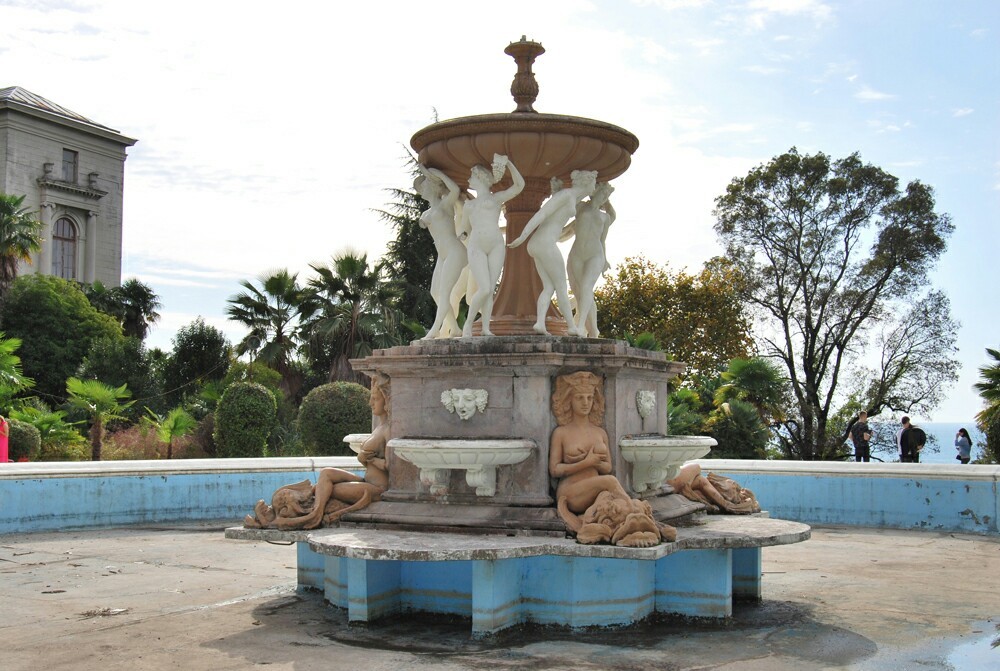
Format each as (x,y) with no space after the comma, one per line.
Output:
(899,438)
(963,443)
(912,442)
(861,436)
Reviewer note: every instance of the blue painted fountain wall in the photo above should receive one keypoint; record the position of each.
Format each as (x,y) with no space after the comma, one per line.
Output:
(49,496)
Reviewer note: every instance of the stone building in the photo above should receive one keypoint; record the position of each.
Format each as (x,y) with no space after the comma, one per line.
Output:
(71,171)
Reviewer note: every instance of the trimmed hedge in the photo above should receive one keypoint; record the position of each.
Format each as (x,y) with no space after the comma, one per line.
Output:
(244,420)
(330,412)
(24,441)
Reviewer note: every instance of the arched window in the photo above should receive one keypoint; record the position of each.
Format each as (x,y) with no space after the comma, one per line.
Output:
(64,249)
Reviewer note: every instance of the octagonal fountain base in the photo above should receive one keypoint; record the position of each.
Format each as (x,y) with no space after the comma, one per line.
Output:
(499,582)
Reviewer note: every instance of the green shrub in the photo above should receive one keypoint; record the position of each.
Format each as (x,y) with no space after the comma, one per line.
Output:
(61,451)
(330,412)
(244,420)
(24,441)
(740,432)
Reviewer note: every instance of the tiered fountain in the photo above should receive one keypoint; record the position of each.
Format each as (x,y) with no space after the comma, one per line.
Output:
(469,438)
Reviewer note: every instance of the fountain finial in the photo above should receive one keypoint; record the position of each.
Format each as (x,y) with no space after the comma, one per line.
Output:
(524,88)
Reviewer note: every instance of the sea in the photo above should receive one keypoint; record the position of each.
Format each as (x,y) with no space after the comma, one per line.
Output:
(941,443)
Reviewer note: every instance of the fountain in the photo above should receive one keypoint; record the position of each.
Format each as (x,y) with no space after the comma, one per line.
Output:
(489,449)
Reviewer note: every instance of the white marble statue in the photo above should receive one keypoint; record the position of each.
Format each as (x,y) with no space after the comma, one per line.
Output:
(587,259)
(441,192)
(547,226)
(481,222)
(465,402)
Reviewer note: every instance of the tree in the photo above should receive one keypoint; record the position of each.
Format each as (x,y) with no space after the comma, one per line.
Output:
(12,379)
(201,354)
(755,381)
(698,319)
(244,420)
(271,313)
(834,260)
(738,428)
(20,237)
(410,257)
(176,424)
(120,361)
(141,304)
(988,419)
(347,314)
(103,403)
(57,326)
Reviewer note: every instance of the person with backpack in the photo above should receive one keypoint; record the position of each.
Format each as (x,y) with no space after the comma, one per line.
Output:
(963,443)
(861,436)
(911,442)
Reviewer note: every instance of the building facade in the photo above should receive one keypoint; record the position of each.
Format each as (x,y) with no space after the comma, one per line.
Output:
(71,171)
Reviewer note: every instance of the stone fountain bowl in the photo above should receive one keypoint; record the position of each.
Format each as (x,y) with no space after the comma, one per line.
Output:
(478,457)
(656,459)
(540,145)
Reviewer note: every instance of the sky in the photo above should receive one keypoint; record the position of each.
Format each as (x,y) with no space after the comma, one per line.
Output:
(269,132)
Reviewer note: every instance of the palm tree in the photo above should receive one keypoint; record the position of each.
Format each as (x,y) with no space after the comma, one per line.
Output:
(176,424)
(12,380)
(755,381)
(989,389)
(348,313)
(20,237)
(102,402)
(133,304)
(270,312)
(138,307)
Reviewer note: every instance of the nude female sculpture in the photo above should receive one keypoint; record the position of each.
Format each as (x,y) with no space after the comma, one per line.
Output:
(590,500)
(441,192)
(336,492)
(547,226)
(587,259)
(481,222)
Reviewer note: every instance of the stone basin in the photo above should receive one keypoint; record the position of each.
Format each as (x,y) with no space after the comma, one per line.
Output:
(479,458)
(656,459)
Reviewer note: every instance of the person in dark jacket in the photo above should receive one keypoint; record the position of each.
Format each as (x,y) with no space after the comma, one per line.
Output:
(861,436)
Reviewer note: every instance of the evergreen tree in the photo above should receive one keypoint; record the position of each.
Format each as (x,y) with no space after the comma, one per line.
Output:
(410,257)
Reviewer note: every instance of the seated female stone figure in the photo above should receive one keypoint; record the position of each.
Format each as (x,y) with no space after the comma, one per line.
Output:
(590,500)
(718,493)
(336,492)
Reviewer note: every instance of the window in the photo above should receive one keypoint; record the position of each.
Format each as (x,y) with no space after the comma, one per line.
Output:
(71,161)
(64,249)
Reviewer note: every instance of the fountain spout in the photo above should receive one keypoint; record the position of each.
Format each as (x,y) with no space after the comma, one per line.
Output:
(524,88)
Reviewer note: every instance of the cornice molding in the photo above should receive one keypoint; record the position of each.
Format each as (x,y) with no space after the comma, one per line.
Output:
(67,187)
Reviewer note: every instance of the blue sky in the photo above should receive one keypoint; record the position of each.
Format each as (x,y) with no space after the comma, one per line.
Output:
(268,132)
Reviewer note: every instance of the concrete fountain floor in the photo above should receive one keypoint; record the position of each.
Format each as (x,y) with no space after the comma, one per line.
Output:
(168,597)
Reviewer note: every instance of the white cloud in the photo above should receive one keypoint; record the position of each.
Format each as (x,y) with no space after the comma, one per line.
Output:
(962,111)
(761,10)
(762,69)
(869,94)
(671,5)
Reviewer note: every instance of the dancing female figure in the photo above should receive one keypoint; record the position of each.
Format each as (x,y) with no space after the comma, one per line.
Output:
(442,194)
(481,222)
(547,225)
(587,259)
